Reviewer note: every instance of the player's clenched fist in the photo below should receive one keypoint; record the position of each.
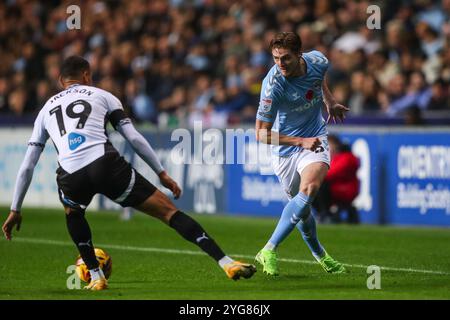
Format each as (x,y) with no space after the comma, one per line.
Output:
(310,143)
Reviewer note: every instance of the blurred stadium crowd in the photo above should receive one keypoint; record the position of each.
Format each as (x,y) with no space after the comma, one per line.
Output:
(172,62)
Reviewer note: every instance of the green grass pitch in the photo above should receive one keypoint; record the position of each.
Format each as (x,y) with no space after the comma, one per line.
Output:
(151,261)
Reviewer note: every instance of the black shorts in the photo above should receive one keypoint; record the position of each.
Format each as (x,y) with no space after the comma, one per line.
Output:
(109,175)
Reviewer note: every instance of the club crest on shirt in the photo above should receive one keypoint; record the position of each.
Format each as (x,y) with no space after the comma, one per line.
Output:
(266,104)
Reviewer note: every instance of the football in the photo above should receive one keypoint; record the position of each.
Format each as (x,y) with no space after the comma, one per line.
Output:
(104,260)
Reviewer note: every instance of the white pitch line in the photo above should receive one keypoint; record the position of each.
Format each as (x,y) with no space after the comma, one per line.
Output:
(199,253)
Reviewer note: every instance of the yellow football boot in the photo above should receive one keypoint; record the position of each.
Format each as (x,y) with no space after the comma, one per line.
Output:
(237,269)
(97,285)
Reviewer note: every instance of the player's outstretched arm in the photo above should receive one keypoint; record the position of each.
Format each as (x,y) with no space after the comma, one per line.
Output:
(23,181)
(334,109)
(145,151)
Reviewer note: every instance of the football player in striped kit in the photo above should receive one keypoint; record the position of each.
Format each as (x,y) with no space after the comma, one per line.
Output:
(75,119)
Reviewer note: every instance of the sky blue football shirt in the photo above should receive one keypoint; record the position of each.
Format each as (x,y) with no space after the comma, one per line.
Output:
(294,104)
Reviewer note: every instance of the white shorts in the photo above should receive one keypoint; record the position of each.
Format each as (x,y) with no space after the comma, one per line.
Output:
(289,169)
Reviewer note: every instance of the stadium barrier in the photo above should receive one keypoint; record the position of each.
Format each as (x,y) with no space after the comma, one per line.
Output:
(404,173)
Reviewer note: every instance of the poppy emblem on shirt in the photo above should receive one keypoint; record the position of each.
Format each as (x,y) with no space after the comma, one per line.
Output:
(309,95)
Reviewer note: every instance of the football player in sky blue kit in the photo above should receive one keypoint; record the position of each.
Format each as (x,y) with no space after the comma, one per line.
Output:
(290,118)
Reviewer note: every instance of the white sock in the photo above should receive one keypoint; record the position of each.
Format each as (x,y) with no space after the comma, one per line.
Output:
(269,246)
(225,260)
(96,274)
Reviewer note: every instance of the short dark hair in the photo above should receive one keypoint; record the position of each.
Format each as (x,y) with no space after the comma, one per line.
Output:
(74,66)
(286,40)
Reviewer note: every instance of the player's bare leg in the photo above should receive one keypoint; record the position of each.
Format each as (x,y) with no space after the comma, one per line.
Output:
(158,205)
(312,177)
(80,233)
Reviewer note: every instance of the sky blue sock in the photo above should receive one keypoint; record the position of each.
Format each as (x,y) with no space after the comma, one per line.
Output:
(292,213)
(307,227)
